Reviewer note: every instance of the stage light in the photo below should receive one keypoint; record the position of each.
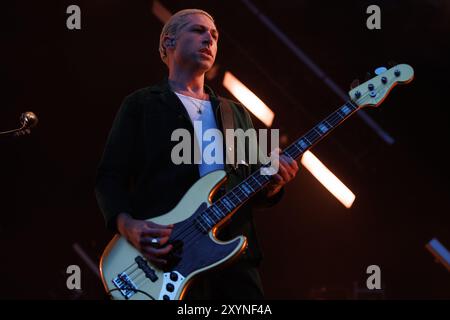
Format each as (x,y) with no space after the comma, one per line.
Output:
(248,99)
(328,179)
(160,12)
(439,252)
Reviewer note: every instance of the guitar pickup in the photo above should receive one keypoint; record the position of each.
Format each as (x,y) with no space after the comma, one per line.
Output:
(148,271)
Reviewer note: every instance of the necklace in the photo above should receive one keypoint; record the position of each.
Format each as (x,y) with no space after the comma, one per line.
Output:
(198,103)
(198,106)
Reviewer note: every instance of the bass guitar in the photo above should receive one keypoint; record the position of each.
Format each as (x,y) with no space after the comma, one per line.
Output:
(125,272)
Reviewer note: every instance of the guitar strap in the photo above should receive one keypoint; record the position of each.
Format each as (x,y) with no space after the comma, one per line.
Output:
(226,113)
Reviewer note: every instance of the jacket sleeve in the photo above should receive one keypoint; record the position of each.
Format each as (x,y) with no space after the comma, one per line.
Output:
(117,165)
(261,200)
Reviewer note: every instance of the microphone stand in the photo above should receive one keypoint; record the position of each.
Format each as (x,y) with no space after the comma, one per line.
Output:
(28,120)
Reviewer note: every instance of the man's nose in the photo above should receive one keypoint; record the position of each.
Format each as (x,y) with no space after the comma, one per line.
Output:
(208,39)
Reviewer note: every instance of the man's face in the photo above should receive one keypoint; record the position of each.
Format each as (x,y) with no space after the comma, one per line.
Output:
(196,45)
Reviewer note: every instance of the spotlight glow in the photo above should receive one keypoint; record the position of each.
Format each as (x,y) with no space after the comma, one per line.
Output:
(440,252)
(328,179)
(248,99)
(160,12)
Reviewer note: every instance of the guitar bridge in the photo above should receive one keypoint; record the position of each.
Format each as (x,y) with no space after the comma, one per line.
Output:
(125,285)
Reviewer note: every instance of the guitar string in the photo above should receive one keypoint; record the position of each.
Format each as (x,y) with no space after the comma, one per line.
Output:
(236,191)
(192,232)
(191,229)
(218,203)
(187,239)
(334,114)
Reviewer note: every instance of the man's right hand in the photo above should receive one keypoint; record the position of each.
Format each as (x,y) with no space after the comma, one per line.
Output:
(142,234)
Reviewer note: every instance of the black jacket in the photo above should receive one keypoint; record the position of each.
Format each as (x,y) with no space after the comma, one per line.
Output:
(136,174)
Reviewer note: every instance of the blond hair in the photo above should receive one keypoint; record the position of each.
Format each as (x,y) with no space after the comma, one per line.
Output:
(171,28)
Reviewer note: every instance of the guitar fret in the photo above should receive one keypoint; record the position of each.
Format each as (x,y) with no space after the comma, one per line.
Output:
(311,138)
(199,223)
(226,204)
(211,217)
(215,209)
(246,194)
(303,144)
(257,182)
(345,110)
(237,195)
(339,114)
(249,185)
(293,153)
(207,220)
(222,208)
(245,188)
(231,200)
(333,119)
(323,128)
(317,131)
(296,154)
(213,213)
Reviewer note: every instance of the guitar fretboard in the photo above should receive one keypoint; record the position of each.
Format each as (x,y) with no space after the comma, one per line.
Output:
(257,181)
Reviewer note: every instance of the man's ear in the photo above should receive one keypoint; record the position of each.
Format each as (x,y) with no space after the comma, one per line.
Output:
(169,42)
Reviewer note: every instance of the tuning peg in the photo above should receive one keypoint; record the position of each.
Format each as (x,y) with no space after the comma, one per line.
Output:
(380,70)
(354,84)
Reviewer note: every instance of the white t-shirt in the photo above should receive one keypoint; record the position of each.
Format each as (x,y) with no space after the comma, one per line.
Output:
(203,121)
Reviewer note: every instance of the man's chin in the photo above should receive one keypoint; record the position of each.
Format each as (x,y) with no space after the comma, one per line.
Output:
(205,66)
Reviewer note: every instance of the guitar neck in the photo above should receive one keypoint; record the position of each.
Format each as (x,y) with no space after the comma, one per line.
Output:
(318,132)
(257,181)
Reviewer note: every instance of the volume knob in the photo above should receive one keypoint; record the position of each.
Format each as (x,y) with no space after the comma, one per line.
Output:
(170,287)
(173,276)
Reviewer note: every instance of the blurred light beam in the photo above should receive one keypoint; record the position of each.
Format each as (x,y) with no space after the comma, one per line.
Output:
(248,99)
(160,11)
(439,252)
(328,179)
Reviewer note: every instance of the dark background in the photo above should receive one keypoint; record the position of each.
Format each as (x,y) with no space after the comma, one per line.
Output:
(314,247)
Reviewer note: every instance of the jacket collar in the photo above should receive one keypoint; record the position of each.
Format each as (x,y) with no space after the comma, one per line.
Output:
(164,86)
(170,98)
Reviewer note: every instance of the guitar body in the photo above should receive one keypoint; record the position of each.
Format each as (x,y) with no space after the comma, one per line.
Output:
(123,267)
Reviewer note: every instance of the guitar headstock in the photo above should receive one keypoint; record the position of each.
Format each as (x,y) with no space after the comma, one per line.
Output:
(372,92)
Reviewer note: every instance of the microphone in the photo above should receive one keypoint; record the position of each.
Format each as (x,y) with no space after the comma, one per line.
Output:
(28,120)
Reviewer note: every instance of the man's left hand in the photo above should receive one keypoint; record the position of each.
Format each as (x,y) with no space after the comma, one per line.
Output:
(287,170)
